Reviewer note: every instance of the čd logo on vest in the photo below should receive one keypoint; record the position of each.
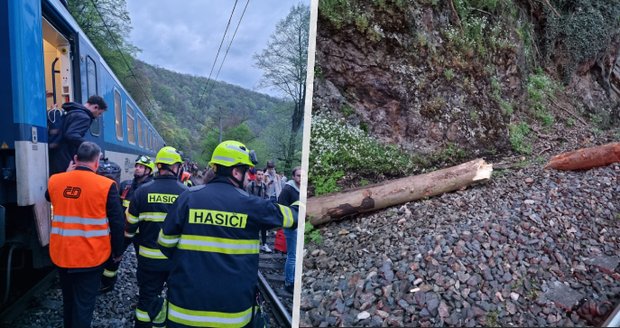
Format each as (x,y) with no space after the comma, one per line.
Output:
(72,192)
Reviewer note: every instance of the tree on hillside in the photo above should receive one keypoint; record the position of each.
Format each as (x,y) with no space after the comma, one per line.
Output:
(284,62)
(240,132)
(106,23)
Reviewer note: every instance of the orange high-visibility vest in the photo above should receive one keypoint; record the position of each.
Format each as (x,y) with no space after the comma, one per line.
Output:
(80,236)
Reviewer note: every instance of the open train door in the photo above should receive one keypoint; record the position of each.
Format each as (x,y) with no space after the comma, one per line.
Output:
(59,86)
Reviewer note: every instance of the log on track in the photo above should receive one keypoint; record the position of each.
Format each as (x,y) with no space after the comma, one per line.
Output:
(586,158)
(331,207)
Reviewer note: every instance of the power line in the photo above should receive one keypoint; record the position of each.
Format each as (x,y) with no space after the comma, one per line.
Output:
(217,54)
(228,48)
(121,53)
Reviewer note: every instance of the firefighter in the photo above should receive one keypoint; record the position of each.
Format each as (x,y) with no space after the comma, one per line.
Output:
(146,212)
(211,237)
(143,173)
(87,228)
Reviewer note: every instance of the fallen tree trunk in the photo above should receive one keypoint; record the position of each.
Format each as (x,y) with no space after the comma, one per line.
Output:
(327,208)
(586,158)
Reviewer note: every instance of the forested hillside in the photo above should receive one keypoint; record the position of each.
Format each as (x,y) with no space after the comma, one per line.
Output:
(193,113)
(187,111)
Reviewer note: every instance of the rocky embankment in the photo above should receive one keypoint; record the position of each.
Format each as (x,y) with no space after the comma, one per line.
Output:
(530,247)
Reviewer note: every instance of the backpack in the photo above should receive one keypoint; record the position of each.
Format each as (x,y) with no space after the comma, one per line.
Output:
(55,125)
(110,170)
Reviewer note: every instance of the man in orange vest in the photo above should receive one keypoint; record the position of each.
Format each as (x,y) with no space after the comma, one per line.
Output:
(87,228)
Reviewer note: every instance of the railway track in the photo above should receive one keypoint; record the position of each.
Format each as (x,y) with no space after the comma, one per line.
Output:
(271,286)
(40,303)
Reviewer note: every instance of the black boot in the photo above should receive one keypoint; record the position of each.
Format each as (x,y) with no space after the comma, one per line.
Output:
(107,284)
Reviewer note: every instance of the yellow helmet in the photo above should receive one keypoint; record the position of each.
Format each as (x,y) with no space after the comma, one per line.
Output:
(146,161)
(168,155)
(230,153)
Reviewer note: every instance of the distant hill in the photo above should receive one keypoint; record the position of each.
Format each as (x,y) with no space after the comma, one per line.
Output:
(184,119)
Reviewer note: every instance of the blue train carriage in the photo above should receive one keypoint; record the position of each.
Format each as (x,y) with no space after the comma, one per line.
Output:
(47,60)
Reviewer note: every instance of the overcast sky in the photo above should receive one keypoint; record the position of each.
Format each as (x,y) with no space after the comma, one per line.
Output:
(184,36)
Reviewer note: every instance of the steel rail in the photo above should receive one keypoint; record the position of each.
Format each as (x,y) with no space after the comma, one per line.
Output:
(279,310)
(614,318)
(21,304)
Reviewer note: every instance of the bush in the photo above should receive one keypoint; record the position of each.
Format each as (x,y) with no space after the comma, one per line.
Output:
(338,148)
(518,134)
(311,234)
(582,30)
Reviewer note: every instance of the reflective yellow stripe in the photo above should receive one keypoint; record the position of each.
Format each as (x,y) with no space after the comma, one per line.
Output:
(142,316)
(129,234)
(152,216)
(126,203)
(151,253)
(299,204)
(287,214)
(219,245)
(167,241)
(132,219)
(109,273)
(208,318)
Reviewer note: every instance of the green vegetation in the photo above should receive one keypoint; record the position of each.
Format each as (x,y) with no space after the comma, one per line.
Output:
(491,319)
(579,30)
(450,153)
(448,74)
(540,90)
(347,110)
(311,234)
(478,32)
(351,12)
(338,148)
(518,138)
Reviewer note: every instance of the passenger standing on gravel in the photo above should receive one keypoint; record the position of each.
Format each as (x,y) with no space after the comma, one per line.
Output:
(274,183)
(87,228)
(76,122)
(143,173)
(258,188)
(211,237)
(147,210)
(288,196)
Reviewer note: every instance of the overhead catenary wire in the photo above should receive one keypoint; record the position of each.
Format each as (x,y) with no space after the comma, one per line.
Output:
(122,55)
(228,48)
(202,93)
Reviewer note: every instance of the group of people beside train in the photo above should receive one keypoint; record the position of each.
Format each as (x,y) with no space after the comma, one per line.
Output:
(200,242)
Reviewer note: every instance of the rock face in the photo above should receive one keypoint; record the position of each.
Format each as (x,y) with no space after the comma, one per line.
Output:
(401,72)
(399,88)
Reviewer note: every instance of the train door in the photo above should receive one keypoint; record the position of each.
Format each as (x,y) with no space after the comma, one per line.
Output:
(58,72)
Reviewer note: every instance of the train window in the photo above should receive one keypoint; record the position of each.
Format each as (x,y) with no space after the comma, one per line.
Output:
(131,132)
(140,133)
(118,115)
(95,127)
(91,78)
(150,139)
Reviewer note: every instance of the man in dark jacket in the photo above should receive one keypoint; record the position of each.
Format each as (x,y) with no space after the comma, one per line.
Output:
(289,195)
(76,122)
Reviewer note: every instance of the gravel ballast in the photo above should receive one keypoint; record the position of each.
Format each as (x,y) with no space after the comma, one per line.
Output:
(530,247)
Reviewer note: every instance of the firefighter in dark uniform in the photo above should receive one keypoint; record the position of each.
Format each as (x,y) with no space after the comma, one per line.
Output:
(147,210)
(211,237)
(143,173)
(87,228)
